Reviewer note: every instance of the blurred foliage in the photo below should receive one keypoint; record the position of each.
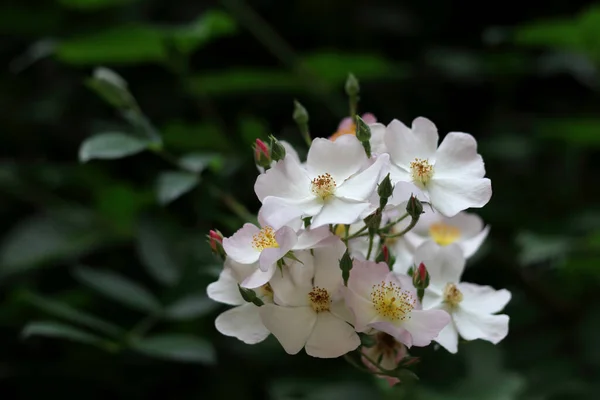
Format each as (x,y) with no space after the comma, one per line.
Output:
(109,255)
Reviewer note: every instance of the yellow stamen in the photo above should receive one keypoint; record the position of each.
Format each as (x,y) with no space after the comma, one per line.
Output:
(452,295)
(421,172)
(264,239)
(444,234)
(323,186)
(267,291)
(319,299)
(391,301)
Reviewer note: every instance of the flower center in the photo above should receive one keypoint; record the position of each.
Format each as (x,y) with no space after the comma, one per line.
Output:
(264,239)
(452,295)
(319,299)
(267,291)
(323,186)
(444,234)
(391,301)
(421,172)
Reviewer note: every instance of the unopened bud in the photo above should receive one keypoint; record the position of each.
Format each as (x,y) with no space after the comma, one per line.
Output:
(352,86)
(250,296)
(277,149)
(384,255)
(363,132)
(420,277)
(300,114)
(414,208)
(385,190)
(346,266)
(215,241)
(373,222)
(262,154)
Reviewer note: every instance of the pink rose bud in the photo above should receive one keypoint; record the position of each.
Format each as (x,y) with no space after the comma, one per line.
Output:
(215,241)
(262,154)
(421,277)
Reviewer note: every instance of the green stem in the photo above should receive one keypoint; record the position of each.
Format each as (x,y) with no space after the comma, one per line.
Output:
(412,224)
(357,233)
(371,237)
(391,224)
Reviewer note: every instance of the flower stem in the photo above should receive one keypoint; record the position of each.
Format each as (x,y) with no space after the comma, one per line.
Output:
(412,224)
(391,224)
(371,237)
(357,233)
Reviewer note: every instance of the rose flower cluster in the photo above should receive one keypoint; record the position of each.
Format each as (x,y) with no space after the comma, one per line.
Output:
(359,250)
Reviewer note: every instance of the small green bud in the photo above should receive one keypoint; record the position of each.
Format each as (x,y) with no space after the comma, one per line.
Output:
(363,132)
(277,149)
(300,114)
(414,208)
(346,266)
(249,295)
(373,222)
(352,86)
(385,190)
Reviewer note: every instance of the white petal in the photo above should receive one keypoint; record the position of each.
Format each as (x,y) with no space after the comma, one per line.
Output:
(361,186)
(433,298)
(328,274)
(287,179)
(453,195)
(310,238)
(290,151)
(483,299)
(292,326)
(259,277)
(239,246)
(277,212)
(404,144)
(428,218)
(448,338)
(340,159)
(243,323)
(404,253)
(471,326)
(444,264)
(399,174)
(331,337)
(363,311)
(470,246)
(339,211)
(365,274)
(240,271)
(425,325)
(469,224)
(225,290)
(377,138)
(457,157)
(292,284)
(402,193)
(286,239)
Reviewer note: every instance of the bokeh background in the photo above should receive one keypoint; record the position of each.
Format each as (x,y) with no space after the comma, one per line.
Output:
(104,264)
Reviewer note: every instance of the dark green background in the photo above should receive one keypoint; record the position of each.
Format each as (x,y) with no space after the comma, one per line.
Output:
(521,77)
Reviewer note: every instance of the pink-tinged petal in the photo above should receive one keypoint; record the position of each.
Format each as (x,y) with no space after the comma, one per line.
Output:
(225,289)
(365,274)
(398,332)
(448,338)
(377,138)
(328,274)
(312,237)
(369,118)
(259,277)
(362,309)
(292,326)
(471,326)
(331,337)
(470,246)
(453,195)
(286,179)
(361,186)
(339,211)
(243,323)
(404,144)
(483,299)
(457,157)
(239,246)
(340,159)
(341,311)
(286,239)
(445,264)
(425,325)
(345,124)
(277,212)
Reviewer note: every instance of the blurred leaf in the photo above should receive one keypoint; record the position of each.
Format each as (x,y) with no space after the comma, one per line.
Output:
(209,26)
(119,45)
(197,162)
(65,311)
(157,253)
(59,331)
(111,87)
(252,128)
(118,288)
(110,146)
(171,185)
(333,67)
(121,204)
(42,239)
(587,335)
(182,348)
(91,5)
(582,132)
(187,137)
(190,307)
(236,81)
(536,248)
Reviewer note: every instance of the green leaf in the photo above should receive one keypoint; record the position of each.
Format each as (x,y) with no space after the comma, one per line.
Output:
(190,307)
(111,87)
(110,146)
(120,45)
(198,162)
(42,239)
(182,348)
(209,26)
(62,310)
(156,253)
(536,249)
(581,132)
(118,288)
(171,185)
(59,331)
(92,5)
